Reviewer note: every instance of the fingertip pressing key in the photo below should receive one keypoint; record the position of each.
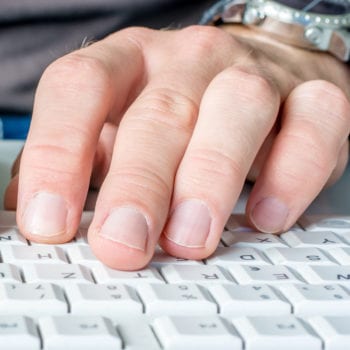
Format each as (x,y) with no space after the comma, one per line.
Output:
(127,226)
(269,215)
(45,215)
(189,225)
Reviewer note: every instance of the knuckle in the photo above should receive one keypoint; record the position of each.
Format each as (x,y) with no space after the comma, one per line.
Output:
(54,162)
(320,158)
(79,71)
(254,86)
(214,166)
(144,182)
(326,107)
(169,107)
(204,39)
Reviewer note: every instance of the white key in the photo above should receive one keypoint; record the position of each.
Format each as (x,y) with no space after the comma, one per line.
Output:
(235,255)
(249,300)
(81,236)
(46,254)
(238,223)
(341,255)
(103,299)
(18,333)
(78,332)
(104,274)
(161,258)
(7,218)
(193,333)
(270,274)
(335,331)
(9,273)
(334,223)
(32,299)
(82,254)
(315,239)
(206,274)
(86,219)
(298,256)
(11,236)
(176,299)
(326,274)
(311,300)
(137,335)
(61,274)
(275,333)
(255,240)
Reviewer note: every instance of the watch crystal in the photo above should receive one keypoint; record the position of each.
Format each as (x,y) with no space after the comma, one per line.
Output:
(322,7)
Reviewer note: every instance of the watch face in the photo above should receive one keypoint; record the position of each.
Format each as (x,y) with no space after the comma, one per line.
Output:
(322,7)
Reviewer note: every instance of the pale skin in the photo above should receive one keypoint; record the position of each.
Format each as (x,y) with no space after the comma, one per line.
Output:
(169,125)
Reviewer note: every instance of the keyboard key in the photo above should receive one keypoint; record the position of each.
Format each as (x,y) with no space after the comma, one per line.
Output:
(82,254)
(80,332)
(341,255)
(161,258)
(206,274)
(256,274)
(61,274)
(176,299)
(9,273)
(334,223)
(326,274)
(335,331)
(238,223)
(104,274)
(275,333)
(248,300)
(20,255)
(311,300)
(86,219)
(315,239)
(32,299)
(298,256)
(18,333)
(137,335)
(11,236)
(193,333)
(235,255)
(103,299)
(255,240)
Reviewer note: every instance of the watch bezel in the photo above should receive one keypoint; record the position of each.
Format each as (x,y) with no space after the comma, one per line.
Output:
(284,13)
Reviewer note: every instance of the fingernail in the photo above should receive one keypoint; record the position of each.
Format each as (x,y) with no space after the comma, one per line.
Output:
(126,226)
(269,215)
(189,224)
(45,215)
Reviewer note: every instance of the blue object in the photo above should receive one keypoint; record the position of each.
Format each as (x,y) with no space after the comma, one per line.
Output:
(14,126)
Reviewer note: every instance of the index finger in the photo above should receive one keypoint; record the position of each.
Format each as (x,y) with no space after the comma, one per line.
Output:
(73,100)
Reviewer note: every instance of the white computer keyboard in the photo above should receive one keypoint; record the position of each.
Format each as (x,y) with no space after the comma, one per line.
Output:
(257,292)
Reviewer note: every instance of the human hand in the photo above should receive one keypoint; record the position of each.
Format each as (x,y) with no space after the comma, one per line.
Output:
(169,124)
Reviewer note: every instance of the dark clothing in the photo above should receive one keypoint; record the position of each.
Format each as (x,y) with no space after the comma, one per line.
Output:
(33,33)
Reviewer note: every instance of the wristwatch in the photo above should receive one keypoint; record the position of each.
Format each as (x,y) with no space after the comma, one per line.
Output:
(316,25)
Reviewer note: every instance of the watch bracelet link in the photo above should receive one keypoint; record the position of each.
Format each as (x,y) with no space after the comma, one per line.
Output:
(337,41)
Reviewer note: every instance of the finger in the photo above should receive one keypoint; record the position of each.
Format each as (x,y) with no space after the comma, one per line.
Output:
(133,203)
(237,112)
(341,164)
(103,155)
(73,100)
(262,155)
(315,126)
(10,196)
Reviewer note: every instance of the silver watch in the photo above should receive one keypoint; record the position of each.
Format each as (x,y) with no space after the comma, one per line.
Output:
(318,25)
